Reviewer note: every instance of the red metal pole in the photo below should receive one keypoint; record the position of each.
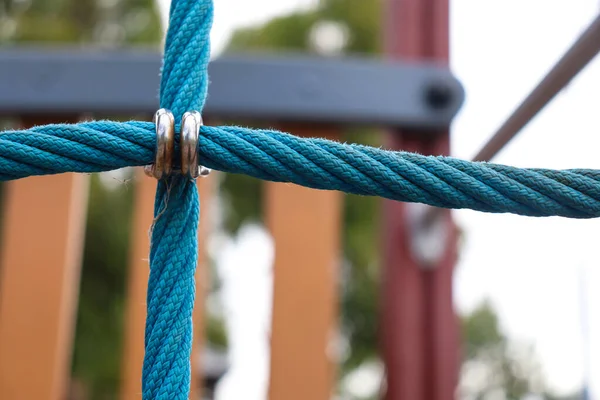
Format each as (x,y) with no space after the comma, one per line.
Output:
(419,335)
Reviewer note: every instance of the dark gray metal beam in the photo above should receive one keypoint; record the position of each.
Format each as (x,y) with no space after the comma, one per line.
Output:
(258,87)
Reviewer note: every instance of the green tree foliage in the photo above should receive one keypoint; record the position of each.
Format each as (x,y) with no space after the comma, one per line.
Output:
(99,22)
(494,366)
(293,32)
(488,354)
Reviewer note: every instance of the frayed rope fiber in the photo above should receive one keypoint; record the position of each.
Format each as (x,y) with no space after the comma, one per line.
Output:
(265,154)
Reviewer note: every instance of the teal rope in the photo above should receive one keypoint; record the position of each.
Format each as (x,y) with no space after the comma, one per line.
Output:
(317,163)
(174,248)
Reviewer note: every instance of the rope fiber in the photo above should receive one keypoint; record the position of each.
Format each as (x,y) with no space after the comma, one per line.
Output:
(266,154)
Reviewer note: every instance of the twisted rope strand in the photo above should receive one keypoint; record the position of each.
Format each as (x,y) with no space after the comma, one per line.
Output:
(317,163)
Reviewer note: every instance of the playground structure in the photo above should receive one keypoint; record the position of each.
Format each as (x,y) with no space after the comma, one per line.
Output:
(305,97)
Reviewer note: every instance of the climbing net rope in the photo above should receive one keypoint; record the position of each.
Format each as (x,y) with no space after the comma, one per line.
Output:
(270,155)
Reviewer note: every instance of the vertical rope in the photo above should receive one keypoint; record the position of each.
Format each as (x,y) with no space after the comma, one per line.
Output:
(174,247)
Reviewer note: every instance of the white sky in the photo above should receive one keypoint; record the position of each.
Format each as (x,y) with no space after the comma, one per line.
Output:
(530,268)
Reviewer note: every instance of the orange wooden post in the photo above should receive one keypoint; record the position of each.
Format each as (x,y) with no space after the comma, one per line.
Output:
(206,188)
(133,348)
(305,224)
(133,354)
(42,246)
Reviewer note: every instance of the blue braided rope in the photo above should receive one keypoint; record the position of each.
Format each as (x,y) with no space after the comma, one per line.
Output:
(184,79)
(317,163)
(174,248)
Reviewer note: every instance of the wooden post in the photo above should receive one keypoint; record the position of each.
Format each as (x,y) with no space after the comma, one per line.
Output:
(133,344)
(206,189)
(42,244)
(305,225)
(419,329)
(138,281)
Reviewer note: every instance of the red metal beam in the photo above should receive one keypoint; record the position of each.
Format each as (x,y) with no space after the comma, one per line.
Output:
(419,335)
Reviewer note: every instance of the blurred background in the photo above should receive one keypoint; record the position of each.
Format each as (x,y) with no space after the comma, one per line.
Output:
(525,289)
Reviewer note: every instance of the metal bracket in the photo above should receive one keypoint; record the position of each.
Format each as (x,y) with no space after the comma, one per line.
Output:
(258,87)
(428,234)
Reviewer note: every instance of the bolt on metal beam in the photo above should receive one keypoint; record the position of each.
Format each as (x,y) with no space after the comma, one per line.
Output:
(585,48)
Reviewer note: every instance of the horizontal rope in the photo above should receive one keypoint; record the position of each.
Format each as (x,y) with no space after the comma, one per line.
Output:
(316,163)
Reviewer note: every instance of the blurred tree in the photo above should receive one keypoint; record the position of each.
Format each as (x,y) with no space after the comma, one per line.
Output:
(494,367)
(99,22)
(491,364)
(359,19)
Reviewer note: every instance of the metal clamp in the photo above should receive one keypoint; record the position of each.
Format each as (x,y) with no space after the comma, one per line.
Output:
(165,145)
(191,124)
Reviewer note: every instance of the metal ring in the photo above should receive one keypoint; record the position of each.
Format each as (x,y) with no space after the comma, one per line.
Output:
(190,133)
(164,123)
(191,123)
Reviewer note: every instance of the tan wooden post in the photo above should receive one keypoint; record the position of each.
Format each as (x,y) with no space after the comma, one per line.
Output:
(138,280)
(305,224)
(133,344)
(206,189)
(42,242)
